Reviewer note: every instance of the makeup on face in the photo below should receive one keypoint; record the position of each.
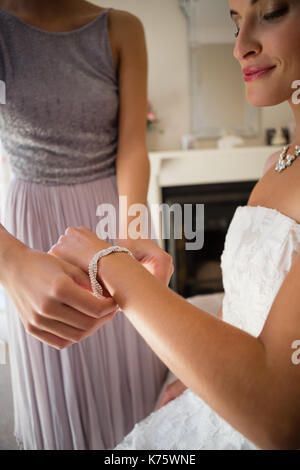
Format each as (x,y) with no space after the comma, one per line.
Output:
(253,73)
(266,13)
(269,11)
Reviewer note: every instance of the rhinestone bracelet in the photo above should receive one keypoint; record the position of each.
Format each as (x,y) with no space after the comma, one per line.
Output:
(93,267)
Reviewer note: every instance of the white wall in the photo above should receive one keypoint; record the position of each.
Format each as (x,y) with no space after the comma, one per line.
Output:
(166,36)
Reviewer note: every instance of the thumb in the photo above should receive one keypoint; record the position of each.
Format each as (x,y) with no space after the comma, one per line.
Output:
(83,279)
(164,399)
(162,270)
(80,277)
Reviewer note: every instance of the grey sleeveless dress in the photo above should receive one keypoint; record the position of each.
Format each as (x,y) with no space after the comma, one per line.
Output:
(59,130)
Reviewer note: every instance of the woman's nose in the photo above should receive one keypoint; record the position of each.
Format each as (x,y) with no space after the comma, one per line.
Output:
(246,44)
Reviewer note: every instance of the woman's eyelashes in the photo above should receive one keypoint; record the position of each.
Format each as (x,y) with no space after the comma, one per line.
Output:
(276,14)
(270,16)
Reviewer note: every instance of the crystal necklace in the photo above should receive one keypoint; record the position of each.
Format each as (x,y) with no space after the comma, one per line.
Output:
(282,163)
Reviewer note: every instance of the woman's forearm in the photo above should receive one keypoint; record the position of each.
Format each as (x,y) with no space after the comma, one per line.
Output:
(225,366)
(9,248)
(133,174)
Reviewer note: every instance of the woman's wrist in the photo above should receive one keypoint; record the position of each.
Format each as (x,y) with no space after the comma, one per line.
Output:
(11,254)
(112,266)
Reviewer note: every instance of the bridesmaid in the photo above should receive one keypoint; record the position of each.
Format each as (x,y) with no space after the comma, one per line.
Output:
(73,129)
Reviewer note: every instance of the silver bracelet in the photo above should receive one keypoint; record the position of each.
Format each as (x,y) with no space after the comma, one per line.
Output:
(93,267)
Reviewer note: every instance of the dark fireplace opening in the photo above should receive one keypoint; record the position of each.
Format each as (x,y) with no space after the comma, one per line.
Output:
(199,271)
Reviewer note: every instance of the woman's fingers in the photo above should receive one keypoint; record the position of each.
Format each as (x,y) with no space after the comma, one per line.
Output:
(71,294)
(80,277)
(72,313)
(64,331)
(48,338)
(61,334)
(172,391)
(71,317)
(57,328)
(54,299)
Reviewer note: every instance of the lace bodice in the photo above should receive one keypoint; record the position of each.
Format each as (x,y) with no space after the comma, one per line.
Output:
(260,247)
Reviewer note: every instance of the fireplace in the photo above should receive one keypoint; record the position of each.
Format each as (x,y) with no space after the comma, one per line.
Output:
(221,180)
(198,271)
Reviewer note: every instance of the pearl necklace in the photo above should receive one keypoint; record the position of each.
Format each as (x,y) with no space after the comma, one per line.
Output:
(282,164)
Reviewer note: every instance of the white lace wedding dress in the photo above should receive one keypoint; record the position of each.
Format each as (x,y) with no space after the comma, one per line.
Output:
(260,247)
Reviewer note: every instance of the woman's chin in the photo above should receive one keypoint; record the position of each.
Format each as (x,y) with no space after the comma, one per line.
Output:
(261,100)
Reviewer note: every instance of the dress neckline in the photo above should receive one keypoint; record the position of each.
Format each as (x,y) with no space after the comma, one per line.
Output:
(275,211)
(54,33)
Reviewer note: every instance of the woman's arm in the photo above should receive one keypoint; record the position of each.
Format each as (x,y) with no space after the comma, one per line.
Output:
(217,361)
(8,249)
(132,164)
(251,382)
(133,167)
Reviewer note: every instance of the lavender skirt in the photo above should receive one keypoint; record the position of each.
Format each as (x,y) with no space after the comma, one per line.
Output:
(91,394)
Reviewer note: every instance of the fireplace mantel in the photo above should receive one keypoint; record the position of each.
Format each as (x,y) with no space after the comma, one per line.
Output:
(195,167)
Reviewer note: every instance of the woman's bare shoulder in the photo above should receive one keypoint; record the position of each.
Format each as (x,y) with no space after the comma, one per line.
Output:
(125,16)
(124,24)
(126,30)
(280,191)
(271,161)
(118,19)
(263,186)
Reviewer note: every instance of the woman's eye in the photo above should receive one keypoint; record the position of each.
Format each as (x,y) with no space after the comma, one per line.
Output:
(276,13)
(270,16)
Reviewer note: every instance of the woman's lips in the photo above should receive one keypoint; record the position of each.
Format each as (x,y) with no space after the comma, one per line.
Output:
(252,73)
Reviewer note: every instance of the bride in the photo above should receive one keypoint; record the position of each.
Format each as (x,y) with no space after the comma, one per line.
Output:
(240,368)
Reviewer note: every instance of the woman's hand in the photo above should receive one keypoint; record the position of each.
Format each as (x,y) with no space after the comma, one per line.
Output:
(157,261)
(78,246)
(53,298)
(173,390)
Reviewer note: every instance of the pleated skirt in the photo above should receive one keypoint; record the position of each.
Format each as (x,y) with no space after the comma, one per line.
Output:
(91,394)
